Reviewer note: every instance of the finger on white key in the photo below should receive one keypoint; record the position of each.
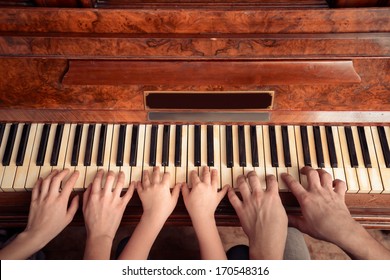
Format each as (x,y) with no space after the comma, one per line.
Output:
(237,170)
(170,154)
(269,168)
(257,131)
(90,161)
(384,170)
(374,171)
(226,172)
(361,171)
(191,164)
(281,152)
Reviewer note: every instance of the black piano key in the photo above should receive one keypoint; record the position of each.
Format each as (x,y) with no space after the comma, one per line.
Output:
(23,144)
(134,145)
(10,144)
(197,146)
(254,148)
(351,147)
(178,142)
(384,145)
(272,143)
(305,146)
(89,147)
(331,146)
(121,145)
(165,148)
(76,145)
(229,146)
(56,145)
(153,146)
(286,147)
(241,146)
(43,144)
(2,128)
(364,147)
(318,146)
(102,145)
(210,145)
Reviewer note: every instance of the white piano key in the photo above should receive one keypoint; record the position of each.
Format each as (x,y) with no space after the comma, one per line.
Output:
(312,147)
(90,171)
(33,169)
(2,149)
(260,170)
(361,170)
(159,149)
(350,172)
(338,172)
(107,151)
(237,170)
(300,156)
(384,171)
(114,150)
(294,169)
(248,152)
(226,173)
(146,165)
(374,171)
(191,153)
(217,151)
(126,168)
(328,166)
(171,157)
(22,171)
(203,145)
(136,171)
(269,169)
(46,167)
(80,183)
(10,170)
(181,171)
(282,166)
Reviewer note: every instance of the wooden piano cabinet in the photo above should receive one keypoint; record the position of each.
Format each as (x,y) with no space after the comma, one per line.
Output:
(324,66)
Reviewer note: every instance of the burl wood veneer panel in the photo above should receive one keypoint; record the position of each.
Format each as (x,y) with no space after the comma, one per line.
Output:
(194,21)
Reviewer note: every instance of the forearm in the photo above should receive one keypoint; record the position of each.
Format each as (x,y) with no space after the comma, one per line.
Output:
(142,239)
(98,248)
(359,244)
(210,243)
(22,247)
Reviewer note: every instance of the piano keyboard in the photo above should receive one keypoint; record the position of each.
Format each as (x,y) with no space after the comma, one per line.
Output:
(358,155)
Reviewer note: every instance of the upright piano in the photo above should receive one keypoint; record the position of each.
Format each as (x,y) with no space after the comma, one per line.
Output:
(127,85)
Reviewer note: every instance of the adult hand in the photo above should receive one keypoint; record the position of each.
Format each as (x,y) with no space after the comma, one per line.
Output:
(262,216)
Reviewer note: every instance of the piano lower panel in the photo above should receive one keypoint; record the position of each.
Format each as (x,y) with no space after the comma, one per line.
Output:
(14,209)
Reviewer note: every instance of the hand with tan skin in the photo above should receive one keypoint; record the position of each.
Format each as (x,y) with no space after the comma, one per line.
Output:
(262,216)
(103,208)
(49,215)
(325,215)
(201,202)
(158,202)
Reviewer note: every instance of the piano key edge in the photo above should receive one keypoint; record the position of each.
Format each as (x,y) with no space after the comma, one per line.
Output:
(371,210)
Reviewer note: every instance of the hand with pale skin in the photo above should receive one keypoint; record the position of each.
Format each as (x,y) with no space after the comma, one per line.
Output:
(262,216)
(103,208)
(49,215)
(201,202)
(325,215)
(158,202)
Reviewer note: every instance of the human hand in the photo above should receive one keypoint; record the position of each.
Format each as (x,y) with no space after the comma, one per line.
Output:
(203,198)
(157,200)
(262,216)
(49,211)
(103,206)
(325,215)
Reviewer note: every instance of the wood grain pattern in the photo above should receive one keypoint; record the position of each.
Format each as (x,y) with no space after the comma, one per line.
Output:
(228,73)
(199,47)
(194,21)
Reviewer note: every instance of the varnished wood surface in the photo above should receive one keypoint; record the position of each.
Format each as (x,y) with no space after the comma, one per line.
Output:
(199,73)
(14,208)
(194,21)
